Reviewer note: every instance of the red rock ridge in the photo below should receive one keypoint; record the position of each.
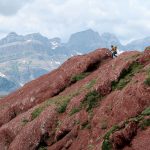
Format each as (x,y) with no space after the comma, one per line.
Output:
(53,113)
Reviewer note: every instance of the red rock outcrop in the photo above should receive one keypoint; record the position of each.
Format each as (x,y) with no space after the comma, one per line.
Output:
(48,85)
(53,113)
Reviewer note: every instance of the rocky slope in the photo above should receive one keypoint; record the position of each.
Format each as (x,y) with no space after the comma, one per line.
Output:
(90,102)
(26,57)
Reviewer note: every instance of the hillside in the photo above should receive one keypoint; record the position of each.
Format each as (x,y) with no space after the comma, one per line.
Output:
(90,102)
(26,57)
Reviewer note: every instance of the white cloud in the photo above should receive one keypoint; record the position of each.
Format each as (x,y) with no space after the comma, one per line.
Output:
(127,19)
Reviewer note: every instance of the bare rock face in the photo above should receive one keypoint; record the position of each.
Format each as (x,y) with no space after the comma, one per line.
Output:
(146,56)
(90,102)
(123,137)
(48,85)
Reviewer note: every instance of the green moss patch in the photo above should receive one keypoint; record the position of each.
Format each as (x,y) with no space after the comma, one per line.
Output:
(126,76)
(60,102)
(146,111)
(145,123)
(74,110)
(62,107)
(42,148)
(142,122)
(106,145)
(147,80)
(79,77)
(37,112)
(91,100)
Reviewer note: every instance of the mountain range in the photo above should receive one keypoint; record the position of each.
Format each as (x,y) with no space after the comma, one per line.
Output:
(24,58)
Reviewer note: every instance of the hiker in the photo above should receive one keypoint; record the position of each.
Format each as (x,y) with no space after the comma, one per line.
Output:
(114,50)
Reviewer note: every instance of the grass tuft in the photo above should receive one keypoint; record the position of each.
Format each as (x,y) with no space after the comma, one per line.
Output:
(36,112)
(74,110)
(145,123)
(62,107)
(147,80)
(42,148)
(79,77)
(142,122)
(91,100)
(146,111)
(106,145)
(126,76)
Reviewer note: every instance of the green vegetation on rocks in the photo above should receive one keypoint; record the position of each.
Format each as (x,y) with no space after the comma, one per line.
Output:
(147,80)
(145,123)
(74,110)
(63,106)
(146,111)
(42,148)
(79,77)
(106,145)
(126,76)
(141,120)
(60,102)
(36,112)
(91,100)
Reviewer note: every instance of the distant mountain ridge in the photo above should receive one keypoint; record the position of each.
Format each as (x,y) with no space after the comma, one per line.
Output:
(26,57)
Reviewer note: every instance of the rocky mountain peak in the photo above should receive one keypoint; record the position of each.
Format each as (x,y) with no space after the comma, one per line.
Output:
(12,34)
(83,35)
(85,40)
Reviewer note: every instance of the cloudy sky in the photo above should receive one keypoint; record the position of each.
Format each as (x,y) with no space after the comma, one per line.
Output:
(127,19)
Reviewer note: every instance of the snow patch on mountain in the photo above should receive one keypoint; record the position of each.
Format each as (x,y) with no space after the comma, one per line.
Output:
(54,45)
(78,53)
(57,62)
(2,75)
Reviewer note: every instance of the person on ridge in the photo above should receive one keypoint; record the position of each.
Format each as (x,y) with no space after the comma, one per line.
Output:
(114,51)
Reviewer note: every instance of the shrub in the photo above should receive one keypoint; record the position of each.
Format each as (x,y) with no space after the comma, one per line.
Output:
(140,120)
(112,130)
(62,107)
(42,148)
(74,110)
(106,145)
(145,123)
(79,77)
(126,76)
(36,112)
(147,81)
(146,111)
(91,100)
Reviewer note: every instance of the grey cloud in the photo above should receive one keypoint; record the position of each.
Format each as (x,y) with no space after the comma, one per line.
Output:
(127,19)
(11,7)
